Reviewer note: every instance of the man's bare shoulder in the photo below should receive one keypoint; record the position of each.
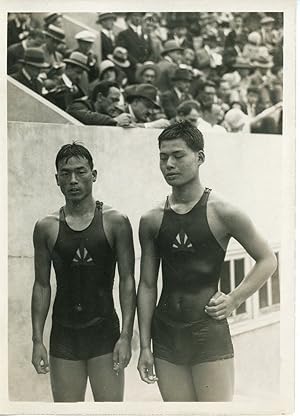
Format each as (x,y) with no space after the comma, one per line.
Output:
(152,219)
(47,223)
(224,209)
(113,216)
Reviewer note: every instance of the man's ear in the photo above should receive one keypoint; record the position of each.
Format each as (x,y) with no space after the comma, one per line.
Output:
(94,174)
(57,180)
(99,96)
(201,157)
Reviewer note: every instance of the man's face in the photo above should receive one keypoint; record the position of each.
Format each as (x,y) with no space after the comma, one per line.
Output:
(209,94)
(238,22)
(176,56)
(109,75)
(178,163)
(23,17)
(183,86)
(217,113)
(108,105)
(52,44)
(136,19)
(33,71)
(244,72)
(142,109)
(35,42)
(75,178)
(181,31)
(74,73)
(108,23)
(224,90)
(192,117)
(148,76)
(189,57)
(84,47)
(252,98)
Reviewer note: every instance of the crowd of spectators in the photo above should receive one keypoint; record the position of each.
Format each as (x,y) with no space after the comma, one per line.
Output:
(221,71)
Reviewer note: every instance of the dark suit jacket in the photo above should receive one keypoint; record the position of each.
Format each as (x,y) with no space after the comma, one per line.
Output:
(84,110)
(138,48)
(107,46)
(170,101)
(14,53)
(14,33)
(34,84)
(166,71)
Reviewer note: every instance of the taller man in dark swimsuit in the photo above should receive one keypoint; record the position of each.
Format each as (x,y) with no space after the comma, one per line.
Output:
(83,240)
(189,234)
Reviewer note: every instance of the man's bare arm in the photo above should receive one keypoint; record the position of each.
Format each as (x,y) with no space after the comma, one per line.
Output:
(125,259)
(147,295)
(41,295)
(241,228)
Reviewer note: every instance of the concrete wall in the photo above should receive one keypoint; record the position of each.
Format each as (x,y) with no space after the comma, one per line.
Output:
(23,104)
(129,179)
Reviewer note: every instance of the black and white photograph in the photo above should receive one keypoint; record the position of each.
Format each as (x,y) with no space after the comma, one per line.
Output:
(150,176)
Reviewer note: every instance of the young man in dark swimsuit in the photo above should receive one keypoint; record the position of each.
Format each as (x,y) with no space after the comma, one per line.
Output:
(189,234)
(84,240)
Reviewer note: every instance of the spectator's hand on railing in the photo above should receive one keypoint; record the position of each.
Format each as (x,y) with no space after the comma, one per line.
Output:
(123,120)
(161,123)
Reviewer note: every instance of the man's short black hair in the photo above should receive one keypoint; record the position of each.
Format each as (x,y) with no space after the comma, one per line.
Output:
(187,132)
(73,150)
(103,87)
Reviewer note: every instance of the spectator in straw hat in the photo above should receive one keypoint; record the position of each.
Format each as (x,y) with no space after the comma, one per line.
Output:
(178,93)
(108,41)
(32,64)
(53,19)
(147,73)
(54,37)
(141,100)
(171,58)
(120,58)
(86,40)
(268,35)
(16,51)
(68,89)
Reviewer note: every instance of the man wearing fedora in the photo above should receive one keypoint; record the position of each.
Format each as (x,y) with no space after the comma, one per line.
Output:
(32,65)
(108,41)
(68,87)
(171,58)
(54,36)
(85,40)
(101,108)
(16,51)
(133,38)
(147,73)
(141,101)
(53,19)
(120,58)
(180,92)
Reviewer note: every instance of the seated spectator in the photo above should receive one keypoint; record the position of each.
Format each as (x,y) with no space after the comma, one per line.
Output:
(188,110)
(86,40)
(32,64)
(54,36)
(16,51)
(178,93)
(268,35)
(207,95)
(133,39)
(209,55)
(212,115)
(102,108)
(53,19)
(18,28)
(171,58)
(108,39)
(141,99)
(239,32)
(146,73)
(68,89)
(120,58)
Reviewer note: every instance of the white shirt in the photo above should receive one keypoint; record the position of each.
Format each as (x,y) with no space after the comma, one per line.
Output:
(136,29)
(205,127)
(109,34)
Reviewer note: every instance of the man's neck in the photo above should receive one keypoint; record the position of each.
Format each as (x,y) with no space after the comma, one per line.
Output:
(187,194)
(80,208)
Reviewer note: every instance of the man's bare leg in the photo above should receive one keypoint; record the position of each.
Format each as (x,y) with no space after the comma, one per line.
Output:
(175,382)
(214,381)
(68,379)
(106,384)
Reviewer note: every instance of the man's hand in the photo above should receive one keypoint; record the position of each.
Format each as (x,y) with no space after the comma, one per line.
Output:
(123,120)
(121,354)
(40,358)
(161,123)
(145,366)
(220,306)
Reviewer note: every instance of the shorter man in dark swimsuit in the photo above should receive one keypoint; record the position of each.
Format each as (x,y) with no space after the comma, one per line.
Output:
(189,234)
(83,240)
